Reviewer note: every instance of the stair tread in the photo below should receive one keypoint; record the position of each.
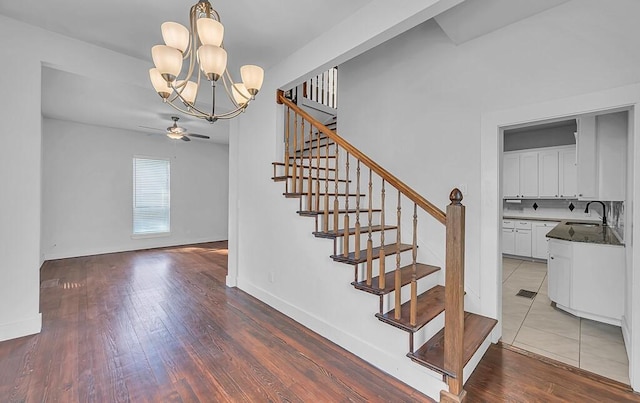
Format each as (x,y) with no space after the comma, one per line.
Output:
(313,213)
(323,137)
(283,178)
(430,305)
(304,166)
(298,194)
(352,231)
(389,249)
(316,146)
(313,157)
(476,330)
(422,270)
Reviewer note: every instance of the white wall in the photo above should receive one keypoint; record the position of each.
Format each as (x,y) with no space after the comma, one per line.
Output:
(87,189)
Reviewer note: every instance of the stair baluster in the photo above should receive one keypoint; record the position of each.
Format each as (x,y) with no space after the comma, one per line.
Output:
(357,232)
(345,238)
(398,277)
(310,177)
(369,240)
(381,263)
(294,178)
(414,258)
(317,171)
(287,153)
(325,221)
(336,204)
(301,166)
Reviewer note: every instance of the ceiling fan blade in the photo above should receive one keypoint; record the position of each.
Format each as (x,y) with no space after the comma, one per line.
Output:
(185,138)
(200,136)
(152,128)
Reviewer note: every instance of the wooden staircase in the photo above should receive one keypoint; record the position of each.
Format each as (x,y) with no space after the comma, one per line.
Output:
(327,173)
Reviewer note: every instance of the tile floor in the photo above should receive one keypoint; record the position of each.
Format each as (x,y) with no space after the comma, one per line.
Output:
(534,325)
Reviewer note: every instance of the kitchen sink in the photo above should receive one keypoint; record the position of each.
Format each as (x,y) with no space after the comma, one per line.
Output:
(583,224)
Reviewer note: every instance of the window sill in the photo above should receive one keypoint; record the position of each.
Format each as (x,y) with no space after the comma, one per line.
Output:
(151,235)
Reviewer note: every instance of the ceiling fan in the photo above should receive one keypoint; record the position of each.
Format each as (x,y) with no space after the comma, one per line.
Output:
(176,132)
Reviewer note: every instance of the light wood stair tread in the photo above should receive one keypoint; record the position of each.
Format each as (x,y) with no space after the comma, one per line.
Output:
(363,230)
(313,213)
(476,330)
(390,249)
(429,305)
(422,270)
(316,146)
(304,166)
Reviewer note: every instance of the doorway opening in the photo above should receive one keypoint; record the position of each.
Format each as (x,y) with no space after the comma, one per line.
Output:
(554,246)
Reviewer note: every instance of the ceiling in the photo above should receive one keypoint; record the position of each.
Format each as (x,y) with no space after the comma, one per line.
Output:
(256,32)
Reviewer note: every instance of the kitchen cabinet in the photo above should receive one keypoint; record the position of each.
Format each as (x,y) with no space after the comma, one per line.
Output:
(601,142)
(587,157)
(567,173)
(547,173)
(523,238)
(559,268)
(508,237)
(529,174)
(520,174)
(526,238)
(548,177)
(539,240)
(511,175)
(587,279)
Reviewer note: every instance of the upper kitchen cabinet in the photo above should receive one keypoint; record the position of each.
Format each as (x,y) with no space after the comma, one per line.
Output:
(520,175)
(601,142)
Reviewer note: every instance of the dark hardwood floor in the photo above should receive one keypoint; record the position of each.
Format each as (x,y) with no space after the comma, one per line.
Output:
(508,374)
(160,325)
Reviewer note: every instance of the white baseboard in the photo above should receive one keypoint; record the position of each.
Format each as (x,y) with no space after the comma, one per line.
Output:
(21,328)
(402,368)
(124,248)
(626,336)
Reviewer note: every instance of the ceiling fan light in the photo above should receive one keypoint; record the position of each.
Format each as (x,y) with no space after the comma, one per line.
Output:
(174,136)
(213,61)
(159,83)
(252,77)
(189,91)
(175,35)
(210,31)
(240,94)
(167,60)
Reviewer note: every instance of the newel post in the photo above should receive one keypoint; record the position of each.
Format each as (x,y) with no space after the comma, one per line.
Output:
(454,299)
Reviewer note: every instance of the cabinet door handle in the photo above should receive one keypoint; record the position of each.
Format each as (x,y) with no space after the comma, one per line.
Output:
(580,195)
(551,257)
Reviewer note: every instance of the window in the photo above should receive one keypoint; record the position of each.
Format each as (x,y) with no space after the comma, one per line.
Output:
(151,194)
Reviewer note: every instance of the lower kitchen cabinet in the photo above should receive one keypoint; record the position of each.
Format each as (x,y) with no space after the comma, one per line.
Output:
(587,279)
(526,238)
(539,240)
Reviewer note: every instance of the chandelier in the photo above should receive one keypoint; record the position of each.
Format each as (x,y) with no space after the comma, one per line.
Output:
(201,50)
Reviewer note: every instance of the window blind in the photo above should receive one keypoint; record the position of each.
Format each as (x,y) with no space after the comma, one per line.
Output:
(151,196)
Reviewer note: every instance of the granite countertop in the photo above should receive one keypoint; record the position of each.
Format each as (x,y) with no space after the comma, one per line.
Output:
(519,217)
(589,232)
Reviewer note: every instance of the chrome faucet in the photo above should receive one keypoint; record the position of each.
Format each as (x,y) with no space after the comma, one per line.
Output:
(604,211)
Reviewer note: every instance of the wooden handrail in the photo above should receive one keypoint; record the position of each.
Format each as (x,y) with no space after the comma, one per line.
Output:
(383,173)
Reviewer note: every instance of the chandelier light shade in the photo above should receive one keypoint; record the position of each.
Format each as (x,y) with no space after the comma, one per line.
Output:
(200,47)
